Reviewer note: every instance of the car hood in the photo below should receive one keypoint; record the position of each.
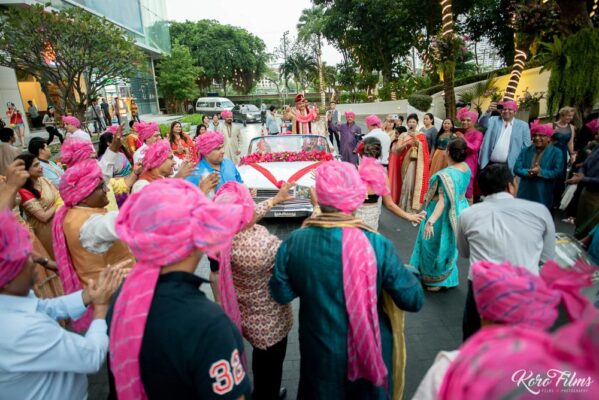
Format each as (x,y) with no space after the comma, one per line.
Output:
(282,171)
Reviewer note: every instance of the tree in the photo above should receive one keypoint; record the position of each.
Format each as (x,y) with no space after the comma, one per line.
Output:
(299,65)
(176,77)
(72,53)
(448,44)
(227,54)
(309,31)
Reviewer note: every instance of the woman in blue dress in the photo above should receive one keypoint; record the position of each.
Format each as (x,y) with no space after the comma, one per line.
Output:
(435,253)
(563,140)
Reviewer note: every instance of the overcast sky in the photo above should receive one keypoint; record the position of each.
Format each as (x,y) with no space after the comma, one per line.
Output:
(267,19)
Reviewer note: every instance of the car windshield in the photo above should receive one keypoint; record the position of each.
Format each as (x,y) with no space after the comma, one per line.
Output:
(227,104)
(252,108)
(289,143)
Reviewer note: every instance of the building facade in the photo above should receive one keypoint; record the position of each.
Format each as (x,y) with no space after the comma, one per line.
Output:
(145,20)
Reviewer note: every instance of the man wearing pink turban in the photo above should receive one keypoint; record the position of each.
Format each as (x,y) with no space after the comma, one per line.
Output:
(349,136)
(355,359)
(519,363)
(158,163)
(169,225)
(373,124)
(505,137)
(40,359)
(83,231)
(73,127)
(245,269)
(539,166)
(513,296)
(474,140)
(231,135)
(148,133)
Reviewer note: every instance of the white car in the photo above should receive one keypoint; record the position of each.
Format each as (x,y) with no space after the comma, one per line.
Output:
(284,158)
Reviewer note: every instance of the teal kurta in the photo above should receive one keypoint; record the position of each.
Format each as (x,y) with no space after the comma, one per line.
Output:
(308,265)
(436,258)
(539,188)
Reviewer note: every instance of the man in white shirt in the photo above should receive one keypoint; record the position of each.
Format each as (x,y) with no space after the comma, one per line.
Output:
(502,228)
(505,137)
(373,124)
(38,358)
(72,125)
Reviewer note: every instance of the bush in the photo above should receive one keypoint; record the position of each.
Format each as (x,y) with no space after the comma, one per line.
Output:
(192,119)
(164,129)
(421,102)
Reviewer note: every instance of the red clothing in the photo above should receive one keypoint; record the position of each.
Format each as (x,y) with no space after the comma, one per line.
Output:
(187,144)
(26,195)
(15,118)
(395,165)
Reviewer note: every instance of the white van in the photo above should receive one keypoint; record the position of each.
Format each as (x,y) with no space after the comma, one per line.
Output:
(213,105)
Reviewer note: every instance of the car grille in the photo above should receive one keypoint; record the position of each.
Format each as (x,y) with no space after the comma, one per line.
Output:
(267,193)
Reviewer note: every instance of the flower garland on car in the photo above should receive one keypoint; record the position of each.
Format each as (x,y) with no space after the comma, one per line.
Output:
(286,156)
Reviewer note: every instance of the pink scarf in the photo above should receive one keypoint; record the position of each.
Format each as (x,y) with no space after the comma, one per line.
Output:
(159,234)
(232,193)
(339,185)
(78,182)
(373,174)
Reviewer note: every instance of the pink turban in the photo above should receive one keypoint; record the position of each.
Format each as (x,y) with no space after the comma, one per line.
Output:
(156,154)
(537,128)
(15,247)
(162,224)
(373,174)
(210,141)
(339,185)
(77,183)
(146,130)
(112,129)
(593,125)
(510,104)
(350,114)
(373,120)
(226,114)
(465,112)
(512,295)
(238,194)
(503,362)
(71,121)
(75,150)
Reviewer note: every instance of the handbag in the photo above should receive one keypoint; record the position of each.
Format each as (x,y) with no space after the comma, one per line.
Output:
(414,153)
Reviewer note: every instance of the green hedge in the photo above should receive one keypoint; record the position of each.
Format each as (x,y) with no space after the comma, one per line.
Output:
(421,102)
(192,119)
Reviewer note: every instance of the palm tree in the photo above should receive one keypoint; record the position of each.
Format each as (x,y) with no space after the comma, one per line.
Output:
(478,93)
(298,65)
(309,30)
(448,65)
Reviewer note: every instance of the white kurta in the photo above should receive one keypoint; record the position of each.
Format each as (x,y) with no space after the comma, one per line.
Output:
(231,134)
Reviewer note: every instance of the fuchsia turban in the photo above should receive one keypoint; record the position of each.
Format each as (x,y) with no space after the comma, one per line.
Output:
(593,125)
(465,112)
(373,120)
(78,182)
(146,130)
(226,114)
(75,150)
(373,174)
(537,128)
(112,129)
(71,121)
(162,224)
(156,154)
(15,247)
(210,141)
(502,362)
(512,295)
(510,104)
(350,114)
(339,185)
(237,194)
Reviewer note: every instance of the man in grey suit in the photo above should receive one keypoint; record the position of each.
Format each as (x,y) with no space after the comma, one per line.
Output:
(502,228)
(505,137)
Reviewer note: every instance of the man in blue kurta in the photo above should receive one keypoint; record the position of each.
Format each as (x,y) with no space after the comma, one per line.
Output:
(349,136)
(318,264)
(538,166)
(505,137)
